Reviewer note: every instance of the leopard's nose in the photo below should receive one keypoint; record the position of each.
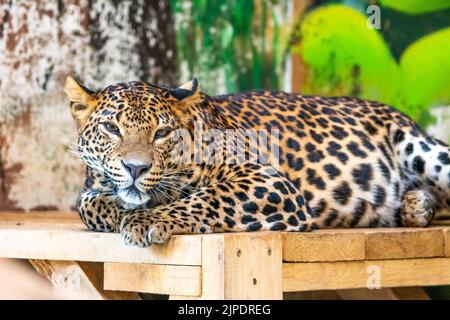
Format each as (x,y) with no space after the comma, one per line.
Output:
(136,169)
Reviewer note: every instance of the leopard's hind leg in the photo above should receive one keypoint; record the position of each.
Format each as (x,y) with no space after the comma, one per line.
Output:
(425,165)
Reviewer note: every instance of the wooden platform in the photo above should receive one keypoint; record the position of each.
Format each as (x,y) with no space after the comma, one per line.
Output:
(226,266)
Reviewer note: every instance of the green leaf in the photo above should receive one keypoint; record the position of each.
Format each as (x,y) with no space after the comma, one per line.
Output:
(425,68)
(416,6)
(345,57)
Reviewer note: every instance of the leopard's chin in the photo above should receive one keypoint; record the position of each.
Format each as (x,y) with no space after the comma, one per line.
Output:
(133,198)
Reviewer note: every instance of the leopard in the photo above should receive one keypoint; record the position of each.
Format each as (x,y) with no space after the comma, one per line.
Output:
(333,162)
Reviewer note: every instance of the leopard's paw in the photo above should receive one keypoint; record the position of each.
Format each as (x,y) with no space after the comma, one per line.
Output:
(134,235)
(159,233)
(141,231)
(417,209)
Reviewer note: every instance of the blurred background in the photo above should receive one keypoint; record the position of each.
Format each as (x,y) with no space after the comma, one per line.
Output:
(393,51)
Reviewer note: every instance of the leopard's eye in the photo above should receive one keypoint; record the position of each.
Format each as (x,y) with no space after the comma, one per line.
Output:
(162,133)
(111,127)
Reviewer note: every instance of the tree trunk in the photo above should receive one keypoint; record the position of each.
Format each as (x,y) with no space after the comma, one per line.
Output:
(42,42)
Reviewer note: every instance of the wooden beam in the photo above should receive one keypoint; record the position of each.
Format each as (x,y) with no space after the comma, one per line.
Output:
(410,293)
(357,274)
(83,278)
(241,266)
(365,244)
(253,268)
(447,242)
(151,278)
(68,217)
(213,269)
(404,243)
(63,238)
(335,245)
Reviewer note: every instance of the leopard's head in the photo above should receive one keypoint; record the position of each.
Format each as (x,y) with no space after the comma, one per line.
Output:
(126,133)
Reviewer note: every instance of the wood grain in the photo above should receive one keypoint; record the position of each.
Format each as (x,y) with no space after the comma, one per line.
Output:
(324,246)
(31,238)
(241,266)
(86,278)
(447,242)
(355,274)
(405,244)
(151,278)
(253,268)
(366,244)
(231,265)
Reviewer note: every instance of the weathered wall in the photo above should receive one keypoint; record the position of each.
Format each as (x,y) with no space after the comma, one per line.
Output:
(41,42)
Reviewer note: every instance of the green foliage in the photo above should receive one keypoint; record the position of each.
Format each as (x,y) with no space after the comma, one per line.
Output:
(400,29)
(234,45)
(425,68)
(416,6)
(227,44)
(344,57)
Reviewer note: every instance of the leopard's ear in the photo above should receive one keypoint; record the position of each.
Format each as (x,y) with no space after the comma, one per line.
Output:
(188,92)
(81,101)
(187,99)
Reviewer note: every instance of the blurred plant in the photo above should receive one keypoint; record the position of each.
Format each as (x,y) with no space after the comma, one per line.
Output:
(231,45)
(416,6)
(344,57)
(234,45)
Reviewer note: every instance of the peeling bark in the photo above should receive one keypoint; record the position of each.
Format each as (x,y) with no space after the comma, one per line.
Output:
(3,188)
(5,202)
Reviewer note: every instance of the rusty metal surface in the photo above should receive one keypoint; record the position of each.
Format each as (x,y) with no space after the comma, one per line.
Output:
(41,42)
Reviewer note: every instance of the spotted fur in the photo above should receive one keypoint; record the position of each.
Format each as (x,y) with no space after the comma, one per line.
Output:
(343,162)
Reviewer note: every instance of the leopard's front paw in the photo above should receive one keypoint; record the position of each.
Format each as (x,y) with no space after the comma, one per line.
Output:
(143,232)
(134,235)
(159,233)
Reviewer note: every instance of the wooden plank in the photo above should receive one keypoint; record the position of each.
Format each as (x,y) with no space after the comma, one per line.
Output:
(94,246)
(86,279)
(410,293)
(58,216)
(364,244)
(358,274)
(151,278)
(213,269)
(241,266)
(62,236)
(447,242)
(404,244)
(327,245)
(253,266)
(40,219)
